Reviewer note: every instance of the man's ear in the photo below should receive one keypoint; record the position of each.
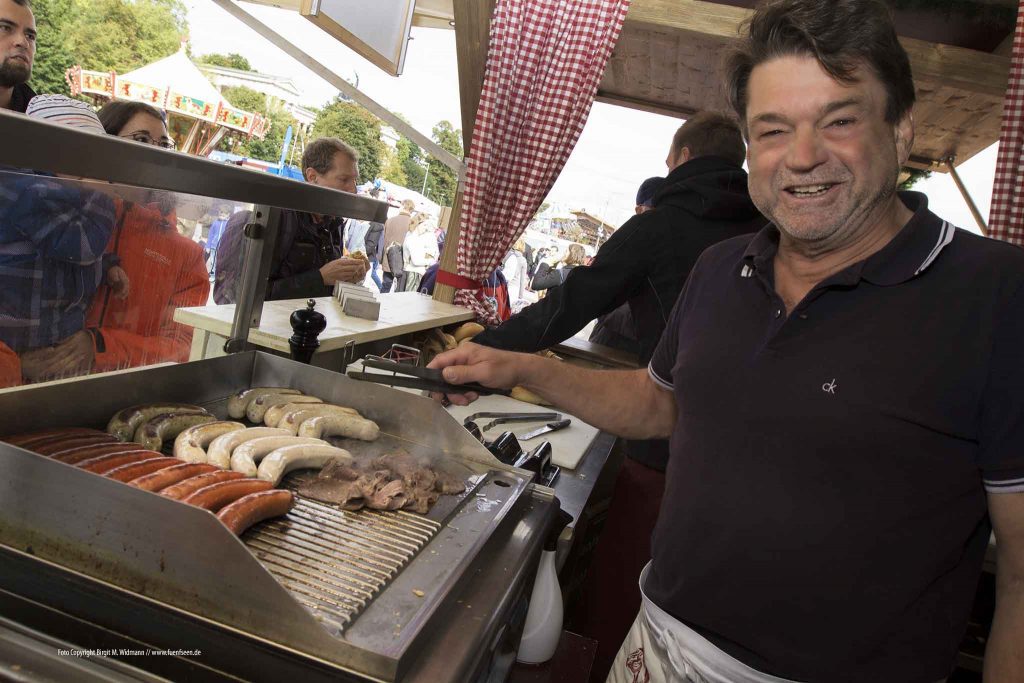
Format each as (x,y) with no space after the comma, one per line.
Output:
(903,133)
(310,174)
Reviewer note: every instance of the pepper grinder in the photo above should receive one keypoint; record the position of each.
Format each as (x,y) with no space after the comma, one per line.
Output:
(307,324)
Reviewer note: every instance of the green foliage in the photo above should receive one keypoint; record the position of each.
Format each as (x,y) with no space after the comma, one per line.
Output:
(914,175)
(103,35)
(269,148)
(357,127)
(544,206)
(410,158)
(231,61)
(52,60)
(391,168)
(119,35)
(442,181)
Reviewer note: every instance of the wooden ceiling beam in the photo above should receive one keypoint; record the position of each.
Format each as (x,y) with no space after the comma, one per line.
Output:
(960,68)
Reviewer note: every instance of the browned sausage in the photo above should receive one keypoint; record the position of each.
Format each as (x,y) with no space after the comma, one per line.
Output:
(255,507)
(62,444)
(161,479)
(105,463)
(216,496)
(29,438)
(77,454)
(134,470)
(187,487)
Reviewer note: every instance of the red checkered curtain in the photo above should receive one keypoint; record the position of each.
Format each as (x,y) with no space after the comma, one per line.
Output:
(544,63)
(1006,217)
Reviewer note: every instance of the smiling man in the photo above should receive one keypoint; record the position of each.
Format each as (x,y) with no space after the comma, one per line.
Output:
(17,51)
(842,391)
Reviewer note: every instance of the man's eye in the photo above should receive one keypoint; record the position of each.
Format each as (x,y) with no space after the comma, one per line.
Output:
(770,133)
(840,123)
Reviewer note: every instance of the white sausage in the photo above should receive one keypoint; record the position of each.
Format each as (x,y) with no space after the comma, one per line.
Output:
(191,444)
(240,401)
(219,452)
(291,419)
(258,408)
(272,418)
(287,458)
(340,425)
(243,458)
(152,433)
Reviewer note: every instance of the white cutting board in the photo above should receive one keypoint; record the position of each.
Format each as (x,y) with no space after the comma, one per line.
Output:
(567,445)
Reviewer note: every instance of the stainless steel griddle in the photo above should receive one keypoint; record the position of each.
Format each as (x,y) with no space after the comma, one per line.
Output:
(361,592)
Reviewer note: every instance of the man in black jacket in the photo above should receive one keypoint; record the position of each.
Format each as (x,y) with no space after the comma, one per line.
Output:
(17,51)
(645,263)
(308,257)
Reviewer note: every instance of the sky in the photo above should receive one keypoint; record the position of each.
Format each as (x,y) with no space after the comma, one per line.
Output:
(618,149)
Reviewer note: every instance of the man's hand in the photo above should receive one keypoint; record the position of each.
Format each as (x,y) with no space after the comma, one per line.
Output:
(483,365)
(343,270)
(118,282)
(72,357)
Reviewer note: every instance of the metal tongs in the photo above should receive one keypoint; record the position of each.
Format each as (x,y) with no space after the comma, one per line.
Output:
(415,377)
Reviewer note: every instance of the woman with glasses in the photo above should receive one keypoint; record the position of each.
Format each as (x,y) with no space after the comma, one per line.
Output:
(166,270)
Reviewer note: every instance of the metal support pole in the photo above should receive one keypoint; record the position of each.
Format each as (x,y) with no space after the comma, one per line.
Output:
(260,240)
(966,195)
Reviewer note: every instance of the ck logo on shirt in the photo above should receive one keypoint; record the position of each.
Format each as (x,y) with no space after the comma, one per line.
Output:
(830,387)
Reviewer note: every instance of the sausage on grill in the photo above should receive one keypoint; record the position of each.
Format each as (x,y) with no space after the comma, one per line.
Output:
(161,479)
(187,487)
(216,496)
(255,507)
(105,463)
(134,470)
(73,456)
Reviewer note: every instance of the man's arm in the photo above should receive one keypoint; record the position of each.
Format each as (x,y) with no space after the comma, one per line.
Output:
(626,403)
(616,273)
(1004,656)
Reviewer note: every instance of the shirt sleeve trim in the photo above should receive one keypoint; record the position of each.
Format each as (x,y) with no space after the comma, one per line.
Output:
(1006,486)
(658,380)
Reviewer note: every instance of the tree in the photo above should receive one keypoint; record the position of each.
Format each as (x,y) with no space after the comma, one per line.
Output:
(231,61)
(103,35)
(52,59)
(269,148)
(442,181)
(410,158)
(391,169)
(357,127)
(121,35)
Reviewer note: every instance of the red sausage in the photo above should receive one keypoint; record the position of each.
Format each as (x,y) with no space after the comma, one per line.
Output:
(77,454)
(63,444)
(105,463)
(134,470)
(255,507)
(187,487)
(161,479)
(29,438)
(216,496)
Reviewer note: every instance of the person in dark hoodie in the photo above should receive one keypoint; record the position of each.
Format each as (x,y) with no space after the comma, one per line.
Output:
(703,200)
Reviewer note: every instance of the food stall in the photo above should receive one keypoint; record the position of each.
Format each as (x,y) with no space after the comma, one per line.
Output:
(91,565)
(89,562)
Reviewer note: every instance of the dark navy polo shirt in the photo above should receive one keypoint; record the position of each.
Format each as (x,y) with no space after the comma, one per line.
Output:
(824,516)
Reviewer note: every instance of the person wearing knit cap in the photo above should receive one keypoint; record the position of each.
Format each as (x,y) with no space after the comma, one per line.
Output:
(66,111)
(53,234)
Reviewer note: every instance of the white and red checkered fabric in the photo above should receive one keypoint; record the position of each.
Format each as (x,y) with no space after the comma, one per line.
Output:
(544,63)
(1006,217)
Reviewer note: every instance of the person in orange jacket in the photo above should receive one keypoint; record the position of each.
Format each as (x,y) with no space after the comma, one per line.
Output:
(10,367)
(166,271)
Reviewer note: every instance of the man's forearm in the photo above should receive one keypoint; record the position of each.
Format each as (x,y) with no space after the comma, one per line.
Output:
(1004,655)
(622,402)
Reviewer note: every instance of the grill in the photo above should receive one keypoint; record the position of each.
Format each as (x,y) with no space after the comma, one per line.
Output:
(360,591)
(335,562)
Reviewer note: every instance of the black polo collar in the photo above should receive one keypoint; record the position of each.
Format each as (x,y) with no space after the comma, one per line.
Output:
(907,255)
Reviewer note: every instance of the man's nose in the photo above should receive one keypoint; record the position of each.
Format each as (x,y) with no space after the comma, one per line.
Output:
(806,151)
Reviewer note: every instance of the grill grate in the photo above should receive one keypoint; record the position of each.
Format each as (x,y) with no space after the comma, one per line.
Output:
(334,561)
